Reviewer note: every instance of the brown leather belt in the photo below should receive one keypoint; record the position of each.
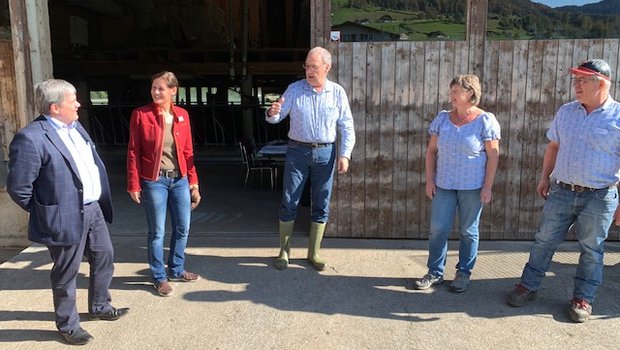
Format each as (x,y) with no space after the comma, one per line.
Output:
(311,144)
(577,188)
(170,174)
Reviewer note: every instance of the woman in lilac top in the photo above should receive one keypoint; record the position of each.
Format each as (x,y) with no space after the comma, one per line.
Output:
(461,161)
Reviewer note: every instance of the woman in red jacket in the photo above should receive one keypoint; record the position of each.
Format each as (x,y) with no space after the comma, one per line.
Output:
(162,177)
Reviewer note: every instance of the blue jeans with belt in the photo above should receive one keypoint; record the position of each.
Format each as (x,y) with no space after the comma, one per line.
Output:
(304,163)
(443,210)
(158,197)
(592,214)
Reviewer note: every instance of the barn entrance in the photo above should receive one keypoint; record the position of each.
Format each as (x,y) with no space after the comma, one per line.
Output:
(232,58)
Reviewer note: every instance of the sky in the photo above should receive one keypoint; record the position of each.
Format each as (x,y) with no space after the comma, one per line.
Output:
(556,3)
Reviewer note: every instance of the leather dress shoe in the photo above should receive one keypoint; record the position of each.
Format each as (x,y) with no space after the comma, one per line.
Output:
(112,315)
(77,336)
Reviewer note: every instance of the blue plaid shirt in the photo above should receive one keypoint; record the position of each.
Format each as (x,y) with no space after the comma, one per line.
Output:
(589,153)
(316,117)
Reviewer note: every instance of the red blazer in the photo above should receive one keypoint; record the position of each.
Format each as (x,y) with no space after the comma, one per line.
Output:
(146,141)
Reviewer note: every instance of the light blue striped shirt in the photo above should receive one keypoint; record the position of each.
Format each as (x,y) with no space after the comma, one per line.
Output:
(317,116)
(589,153)
(82,155)
(461,156)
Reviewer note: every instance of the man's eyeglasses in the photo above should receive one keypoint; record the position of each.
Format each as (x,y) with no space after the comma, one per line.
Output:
(312,67)
(581,81)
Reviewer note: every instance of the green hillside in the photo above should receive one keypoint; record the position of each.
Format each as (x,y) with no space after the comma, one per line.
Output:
(507,19)
(416,24)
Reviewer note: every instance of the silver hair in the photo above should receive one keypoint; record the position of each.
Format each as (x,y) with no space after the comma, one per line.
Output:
(606,82)
(51,91)
(325,55)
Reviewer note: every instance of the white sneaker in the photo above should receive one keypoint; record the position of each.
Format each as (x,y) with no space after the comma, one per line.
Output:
(427,281)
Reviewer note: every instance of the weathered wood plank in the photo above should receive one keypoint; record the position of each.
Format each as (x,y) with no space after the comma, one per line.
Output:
(596,48)
(563,81)
(580,53)
(447,72)
(401,110)
(386,139)
(550,73)
(530,208)
(416,145)
(461,61)
(507,185)
(343,199)
(8,98)
(320,20)
(519,131)
(610,55)
(476,35)
(358,158)
(492,220)
(373,129)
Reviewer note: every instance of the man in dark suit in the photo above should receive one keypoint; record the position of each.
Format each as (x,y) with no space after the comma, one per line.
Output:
(57,176)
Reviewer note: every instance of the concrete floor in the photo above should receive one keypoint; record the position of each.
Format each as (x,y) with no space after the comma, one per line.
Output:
(363,300)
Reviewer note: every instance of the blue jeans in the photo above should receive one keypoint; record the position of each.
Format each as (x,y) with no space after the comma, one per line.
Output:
(159,196)
(592,214)
(443,211)
(303,163)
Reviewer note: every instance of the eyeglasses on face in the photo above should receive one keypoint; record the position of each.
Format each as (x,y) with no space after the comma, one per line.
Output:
(581,81)
(457,91)
(312,67)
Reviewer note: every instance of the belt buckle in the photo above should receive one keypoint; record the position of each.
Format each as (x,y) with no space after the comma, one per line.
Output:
(573,188)
(167,174)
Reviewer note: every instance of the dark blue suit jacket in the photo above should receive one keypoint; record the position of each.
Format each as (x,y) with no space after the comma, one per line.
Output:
(44,180)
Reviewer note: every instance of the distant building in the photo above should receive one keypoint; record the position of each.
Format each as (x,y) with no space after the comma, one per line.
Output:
(438,34)
(355,32)
(385,19)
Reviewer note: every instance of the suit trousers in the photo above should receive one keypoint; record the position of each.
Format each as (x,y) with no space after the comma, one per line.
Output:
(96,246)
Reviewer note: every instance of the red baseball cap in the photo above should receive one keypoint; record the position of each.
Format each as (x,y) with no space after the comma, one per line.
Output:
(596,67)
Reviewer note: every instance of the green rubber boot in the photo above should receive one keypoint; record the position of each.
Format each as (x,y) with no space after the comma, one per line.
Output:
(286,231)
(317,230)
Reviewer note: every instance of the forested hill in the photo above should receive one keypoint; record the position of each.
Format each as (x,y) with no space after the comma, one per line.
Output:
(508,19)
(605,7)
(598,20)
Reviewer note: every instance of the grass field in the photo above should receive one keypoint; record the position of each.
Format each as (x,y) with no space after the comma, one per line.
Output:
(403,23)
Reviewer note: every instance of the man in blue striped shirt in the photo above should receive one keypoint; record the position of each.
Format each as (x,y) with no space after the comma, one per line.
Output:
(581,169)
(319,110)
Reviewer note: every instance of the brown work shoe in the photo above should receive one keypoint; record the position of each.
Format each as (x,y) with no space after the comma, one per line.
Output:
(520,296)
(186,276)
(164,288)
(580,310)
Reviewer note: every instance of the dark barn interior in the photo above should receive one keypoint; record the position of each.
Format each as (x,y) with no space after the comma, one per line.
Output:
(232,57)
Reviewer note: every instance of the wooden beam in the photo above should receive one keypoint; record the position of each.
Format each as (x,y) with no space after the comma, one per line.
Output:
(476,35)
(31,51)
